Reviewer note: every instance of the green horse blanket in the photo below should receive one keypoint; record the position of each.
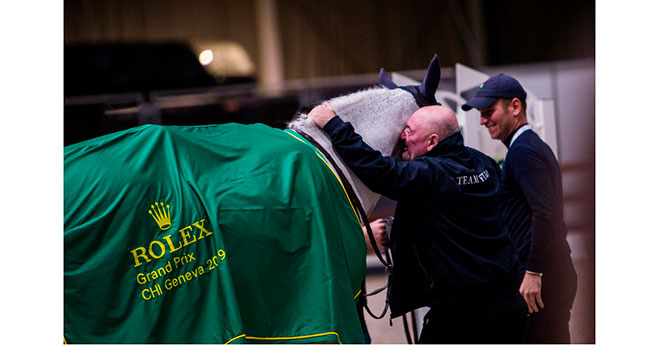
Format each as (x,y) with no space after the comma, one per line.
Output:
(208,234)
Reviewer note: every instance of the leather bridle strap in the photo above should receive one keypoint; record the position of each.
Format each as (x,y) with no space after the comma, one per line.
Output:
(353,197)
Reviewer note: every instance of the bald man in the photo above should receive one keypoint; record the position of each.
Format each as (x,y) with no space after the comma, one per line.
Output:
(449,247)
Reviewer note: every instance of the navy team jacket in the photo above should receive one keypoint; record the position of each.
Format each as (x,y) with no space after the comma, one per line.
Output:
(448,242)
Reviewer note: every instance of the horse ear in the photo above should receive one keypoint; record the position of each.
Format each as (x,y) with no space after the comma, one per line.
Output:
(385,80)
(431,81)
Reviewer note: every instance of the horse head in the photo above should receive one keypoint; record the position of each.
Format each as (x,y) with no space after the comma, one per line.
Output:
(378,114)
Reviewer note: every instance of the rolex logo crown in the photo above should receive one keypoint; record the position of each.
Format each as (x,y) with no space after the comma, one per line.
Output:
(161,216)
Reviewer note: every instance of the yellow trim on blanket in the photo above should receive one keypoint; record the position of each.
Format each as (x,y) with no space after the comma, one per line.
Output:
(291,134)
(240,336)
(337,178)
(287,338)
(342,187)
(64,340)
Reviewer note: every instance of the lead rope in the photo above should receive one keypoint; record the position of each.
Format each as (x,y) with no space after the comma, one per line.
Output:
(388,269)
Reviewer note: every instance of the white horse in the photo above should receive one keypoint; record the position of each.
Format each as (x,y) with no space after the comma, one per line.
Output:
(228,233)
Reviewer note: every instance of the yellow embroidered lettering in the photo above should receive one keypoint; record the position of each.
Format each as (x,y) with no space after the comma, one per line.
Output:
(142,255)
(171,245)
(162,249)
(186,235)
(200,225)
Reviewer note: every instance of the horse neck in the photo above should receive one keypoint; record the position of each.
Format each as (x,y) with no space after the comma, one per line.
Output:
(378,115)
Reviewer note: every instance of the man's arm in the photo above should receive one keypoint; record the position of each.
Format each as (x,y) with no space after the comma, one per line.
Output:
(533,177)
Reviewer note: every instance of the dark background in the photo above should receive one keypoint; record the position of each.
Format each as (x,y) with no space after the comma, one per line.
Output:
(124,58)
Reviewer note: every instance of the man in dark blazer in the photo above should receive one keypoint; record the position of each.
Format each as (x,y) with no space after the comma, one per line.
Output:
(532,209)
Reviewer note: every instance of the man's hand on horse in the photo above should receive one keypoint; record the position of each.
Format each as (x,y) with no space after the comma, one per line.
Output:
(321,114)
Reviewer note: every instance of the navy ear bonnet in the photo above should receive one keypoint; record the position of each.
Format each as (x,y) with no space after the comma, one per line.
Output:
(424,94)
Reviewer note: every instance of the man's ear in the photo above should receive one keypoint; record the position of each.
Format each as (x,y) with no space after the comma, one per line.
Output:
(433,140)
(515,106)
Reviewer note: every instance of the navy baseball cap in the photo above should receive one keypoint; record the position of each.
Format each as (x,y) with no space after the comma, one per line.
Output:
(499,86)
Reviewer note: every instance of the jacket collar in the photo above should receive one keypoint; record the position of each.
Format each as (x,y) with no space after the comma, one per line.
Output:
(512,137)
(447,145)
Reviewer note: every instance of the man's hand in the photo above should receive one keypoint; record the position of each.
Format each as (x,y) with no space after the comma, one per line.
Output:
(379,232)
(530,290)
(321,114)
